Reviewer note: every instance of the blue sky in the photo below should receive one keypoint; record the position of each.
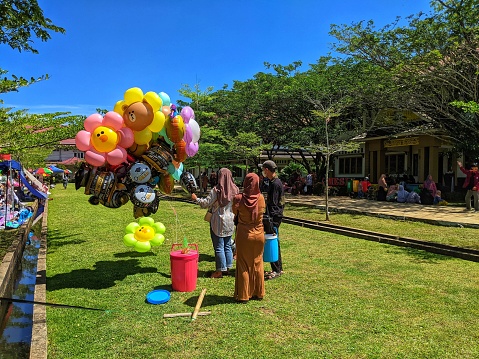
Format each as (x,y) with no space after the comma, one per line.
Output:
(157,45)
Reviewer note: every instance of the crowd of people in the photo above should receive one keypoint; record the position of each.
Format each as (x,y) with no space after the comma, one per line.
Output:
(390,190)
(241,214)
(428,193)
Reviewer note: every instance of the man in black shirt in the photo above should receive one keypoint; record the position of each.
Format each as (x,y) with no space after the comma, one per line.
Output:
(275,206)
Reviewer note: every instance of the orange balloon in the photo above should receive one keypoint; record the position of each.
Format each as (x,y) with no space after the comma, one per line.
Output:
(175,129)
(167,183)
(180,149)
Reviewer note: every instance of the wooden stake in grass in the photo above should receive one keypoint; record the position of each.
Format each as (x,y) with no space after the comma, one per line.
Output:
(198,304)
(175,315)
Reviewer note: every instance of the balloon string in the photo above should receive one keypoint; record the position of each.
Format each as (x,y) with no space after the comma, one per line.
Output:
(176,221)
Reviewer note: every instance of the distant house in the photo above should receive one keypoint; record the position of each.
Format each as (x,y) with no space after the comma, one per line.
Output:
(66,154)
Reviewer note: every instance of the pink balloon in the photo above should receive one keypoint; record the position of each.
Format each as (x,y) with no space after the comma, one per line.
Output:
(127,138)
(117,156)
(92,122)
(83,140)
(188,134)
(95,158)
(187,112)
(113,120)
(192,149)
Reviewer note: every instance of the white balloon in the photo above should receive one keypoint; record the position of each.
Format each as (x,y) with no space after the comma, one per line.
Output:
(195,130)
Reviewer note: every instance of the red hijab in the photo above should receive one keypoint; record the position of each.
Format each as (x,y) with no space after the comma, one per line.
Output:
(226,188)
(251,194)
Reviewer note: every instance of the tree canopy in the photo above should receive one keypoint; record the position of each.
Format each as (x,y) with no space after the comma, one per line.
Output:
(421,74)
(21,21)
(433,62)
(29,138)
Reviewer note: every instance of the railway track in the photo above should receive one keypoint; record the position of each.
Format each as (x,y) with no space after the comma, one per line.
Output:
(432,247)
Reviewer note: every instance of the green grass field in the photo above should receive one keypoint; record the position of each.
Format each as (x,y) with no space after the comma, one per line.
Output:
(339,298)
(6,239)
(455,236)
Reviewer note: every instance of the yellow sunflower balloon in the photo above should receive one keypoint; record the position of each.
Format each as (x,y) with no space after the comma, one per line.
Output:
(144,234)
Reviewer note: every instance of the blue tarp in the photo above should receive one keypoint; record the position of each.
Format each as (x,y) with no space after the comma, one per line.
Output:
(23,216)
(56,169)
(14,165)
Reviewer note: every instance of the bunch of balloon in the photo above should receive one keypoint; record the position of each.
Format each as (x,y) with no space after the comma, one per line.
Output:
(138,147)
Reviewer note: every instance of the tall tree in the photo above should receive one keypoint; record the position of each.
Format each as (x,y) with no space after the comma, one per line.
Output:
(30,138)
(432,61)
(20,22)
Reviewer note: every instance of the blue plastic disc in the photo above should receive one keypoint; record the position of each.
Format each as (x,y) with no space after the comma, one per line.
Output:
(158,296)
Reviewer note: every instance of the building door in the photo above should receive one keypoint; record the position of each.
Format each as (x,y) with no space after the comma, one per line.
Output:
(440,169)
(415,165)
(426,162)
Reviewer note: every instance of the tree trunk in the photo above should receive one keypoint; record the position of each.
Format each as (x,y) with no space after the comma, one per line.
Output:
(327,187)
(327,171)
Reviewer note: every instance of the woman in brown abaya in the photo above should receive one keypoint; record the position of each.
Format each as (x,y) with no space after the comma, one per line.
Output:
(249,207)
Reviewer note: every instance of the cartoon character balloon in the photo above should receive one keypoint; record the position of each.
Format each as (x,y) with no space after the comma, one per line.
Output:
(141,113)
(104,139)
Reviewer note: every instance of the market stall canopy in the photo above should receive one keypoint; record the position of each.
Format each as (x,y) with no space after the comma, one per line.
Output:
(43,171)
(18,167)
(56,169)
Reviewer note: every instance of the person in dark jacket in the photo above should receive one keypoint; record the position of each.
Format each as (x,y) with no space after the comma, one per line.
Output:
(274,206)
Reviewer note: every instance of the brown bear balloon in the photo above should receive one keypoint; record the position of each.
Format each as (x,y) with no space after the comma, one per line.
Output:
(138,115)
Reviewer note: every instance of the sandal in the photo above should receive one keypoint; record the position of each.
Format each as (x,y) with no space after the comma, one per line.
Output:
(271,275)
(217,274)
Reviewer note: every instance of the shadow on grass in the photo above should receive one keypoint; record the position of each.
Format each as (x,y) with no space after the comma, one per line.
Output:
(210,300)
(105,274)
(420,255)
(55,240)
(206,258)
(167,287)
(164,275)
(133,254)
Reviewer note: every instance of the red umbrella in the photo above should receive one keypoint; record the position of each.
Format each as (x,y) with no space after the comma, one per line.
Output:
(68,171)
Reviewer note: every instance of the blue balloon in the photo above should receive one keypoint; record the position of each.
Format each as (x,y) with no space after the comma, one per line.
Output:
(175,172)
(165,98)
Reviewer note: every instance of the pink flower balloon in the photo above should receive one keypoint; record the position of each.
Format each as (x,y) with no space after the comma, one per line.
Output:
(104,139)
